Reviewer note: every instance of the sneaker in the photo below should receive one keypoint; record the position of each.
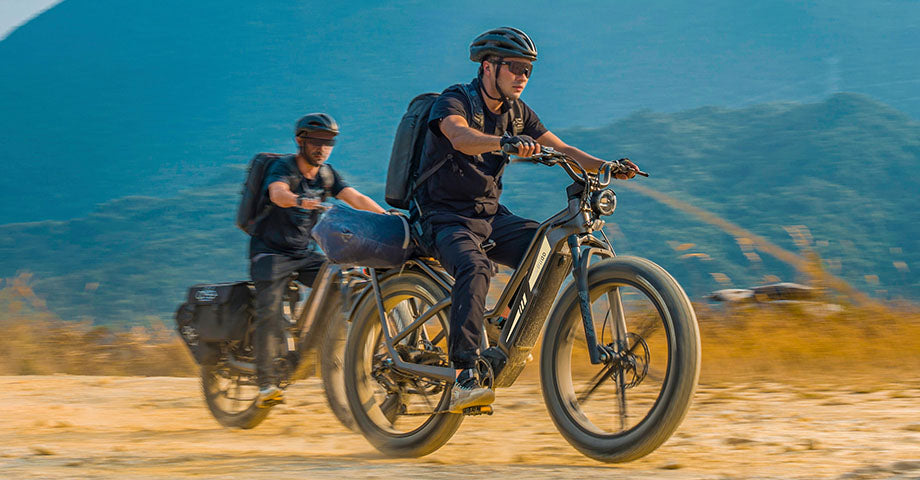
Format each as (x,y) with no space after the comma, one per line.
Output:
(270,396)
(468,392)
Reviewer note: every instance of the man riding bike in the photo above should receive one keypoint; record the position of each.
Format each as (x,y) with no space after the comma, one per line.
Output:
(459,203)
(281,243)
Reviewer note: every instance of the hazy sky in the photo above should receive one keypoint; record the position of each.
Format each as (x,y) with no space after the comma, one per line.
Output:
(14,13)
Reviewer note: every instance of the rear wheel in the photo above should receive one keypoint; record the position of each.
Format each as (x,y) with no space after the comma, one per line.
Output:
(627,406)
(399,414)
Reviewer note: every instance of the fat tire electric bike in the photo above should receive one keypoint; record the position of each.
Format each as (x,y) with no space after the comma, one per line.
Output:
(230,385)
(620,357)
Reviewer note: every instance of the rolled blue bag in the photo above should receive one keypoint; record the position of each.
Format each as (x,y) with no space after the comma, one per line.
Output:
(357,237)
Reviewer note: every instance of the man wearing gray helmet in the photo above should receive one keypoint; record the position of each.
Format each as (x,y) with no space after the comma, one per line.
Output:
(281,244)
(459,202)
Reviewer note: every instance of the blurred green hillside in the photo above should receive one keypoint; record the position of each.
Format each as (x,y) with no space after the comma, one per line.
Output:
(837,178)
(101,99)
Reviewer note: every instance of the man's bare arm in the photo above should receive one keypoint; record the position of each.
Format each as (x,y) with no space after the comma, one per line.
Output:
(359,201)
(466,139)
(587,161)
(280,194)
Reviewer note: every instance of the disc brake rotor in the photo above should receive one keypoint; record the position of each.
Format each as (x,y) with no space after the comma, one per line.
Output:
(633,362)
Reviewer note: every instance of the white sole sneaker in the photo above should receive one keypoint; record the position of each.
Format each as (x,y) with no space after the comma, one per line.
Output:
(461,398)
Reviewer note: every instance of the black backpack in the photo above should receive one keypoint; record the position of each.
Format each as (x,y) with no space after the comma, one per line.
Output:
(403,178)
(254,205)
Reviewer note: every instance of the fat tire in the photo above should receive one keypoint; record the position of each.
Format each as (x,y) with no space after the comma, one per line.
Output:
(682,372)
(246,419)
(439,428)
(332,363)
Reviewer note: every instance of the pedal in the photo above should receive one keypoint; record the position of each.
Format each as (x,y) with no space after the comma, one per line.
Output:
(271,402)
(481,410)
(268,402)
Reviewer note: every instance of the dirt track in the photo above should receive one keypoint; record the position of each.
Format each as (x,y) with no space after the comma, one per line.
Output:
(158,427)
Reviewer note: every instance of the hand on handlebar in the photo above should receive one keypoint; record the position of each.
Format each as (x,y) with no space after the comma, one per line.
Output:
(627,169)
(520,145)
(308,202)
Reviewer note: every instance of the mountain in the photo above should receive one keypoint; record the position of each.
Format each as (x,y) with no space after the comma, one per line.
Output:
(103,99)
(839,177)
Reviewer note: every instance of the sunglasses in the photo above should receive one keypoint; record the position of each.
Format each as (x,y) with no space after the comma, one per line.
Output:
(517,68)
(318,142)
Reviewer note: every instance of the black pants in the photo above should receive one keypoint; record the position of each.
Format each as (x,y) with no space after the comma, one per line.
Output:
(458,243)
(271,274)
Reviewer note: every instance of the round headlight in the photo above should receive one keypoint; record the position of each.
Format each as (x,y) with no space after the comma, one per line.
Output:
(604,202)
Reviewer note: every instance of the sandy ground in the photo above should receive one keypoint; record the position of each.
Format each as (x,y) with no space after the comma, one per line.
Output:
(156,427)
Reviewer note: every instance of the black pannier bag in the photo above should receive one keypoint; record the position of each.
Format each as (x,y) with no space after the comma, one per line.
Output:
(214,313)
(357,237)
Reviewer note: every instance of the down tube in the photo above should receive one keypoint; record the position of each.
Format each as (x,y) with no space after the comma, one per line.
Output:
(536,303)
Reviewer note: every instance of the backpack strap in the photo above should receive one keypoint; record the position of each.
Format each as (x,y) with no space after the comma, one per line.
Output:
(477,116)
(328,178)
(476,121)
(517,120)
(431,170)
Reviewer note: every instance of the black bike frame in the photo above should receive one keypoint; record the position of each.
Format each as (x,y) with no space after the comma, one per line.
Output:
(325,282)
(562,243)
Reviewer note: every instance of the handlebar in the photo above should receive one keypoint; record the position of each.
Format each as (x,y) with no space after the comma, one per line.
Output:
(551,156)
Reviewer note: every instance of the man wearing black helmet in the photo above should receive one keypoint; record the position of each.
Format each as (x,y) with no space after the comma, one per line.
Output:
(459,202)
(281,243)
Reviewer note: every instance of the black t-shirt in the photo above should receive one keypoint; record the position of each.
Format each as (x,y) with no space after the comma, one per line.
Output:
(286,231)
(464,185)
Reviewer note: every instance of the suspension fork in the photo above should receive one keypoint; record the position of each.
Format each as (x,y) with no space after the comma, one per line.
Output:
(580,271)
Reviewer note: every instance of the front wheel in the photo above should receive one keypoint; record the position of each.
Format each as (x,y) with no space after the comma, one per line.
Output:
(627,406)
(332,361)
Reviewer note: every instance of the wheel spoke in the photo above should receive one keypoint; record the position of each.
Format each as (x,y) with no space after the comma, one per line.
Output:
(390,407)
(236,393)
(644,331)
(621,397)
(596,382)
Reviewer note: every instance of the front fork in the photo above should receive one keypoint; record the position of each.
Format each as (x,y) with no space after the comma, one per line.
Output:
(581,260)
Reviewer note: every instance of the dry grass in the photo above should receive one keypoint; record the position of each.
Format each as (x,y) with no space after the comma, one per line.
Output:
(784,343)
(33,341)
(43,347)
(806,341)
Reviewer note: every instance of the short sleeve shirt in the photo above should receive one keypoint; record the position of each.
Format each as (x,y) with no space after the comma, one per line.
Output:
(464,185)
(286,231)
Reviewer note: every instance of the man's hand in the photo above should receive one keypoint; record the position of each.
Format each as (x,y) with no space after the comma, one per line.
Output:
(307,203)
(280,194)
(631,171)
(520,145)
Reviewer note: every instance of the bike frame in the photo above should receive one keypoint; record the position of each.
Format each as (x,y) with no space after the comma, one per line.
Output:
(563,242)
(326,279)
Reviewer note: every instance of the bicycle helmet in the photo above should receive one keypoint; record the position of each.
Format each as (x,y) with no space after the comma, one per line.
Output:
(316,122)
(503,42)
